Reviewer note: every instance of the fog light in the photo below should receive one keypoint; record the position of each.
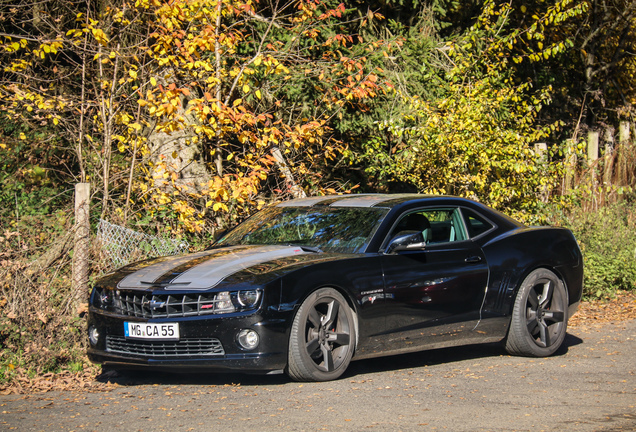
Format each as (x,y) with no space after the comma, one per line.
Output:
(93,335)
(247,339)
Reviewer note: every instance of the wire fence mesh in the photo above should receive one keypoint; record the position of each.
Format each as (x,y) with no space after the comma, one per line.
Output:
(120,245)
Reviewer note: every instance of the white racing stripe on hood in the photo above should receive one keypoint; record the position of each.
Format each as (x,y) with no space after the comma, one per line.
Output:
(210,272)
(153,272)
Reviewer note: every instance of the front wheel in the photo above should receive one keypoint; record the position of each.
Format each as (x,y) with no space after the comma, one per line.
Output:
(322,338)
(539,317)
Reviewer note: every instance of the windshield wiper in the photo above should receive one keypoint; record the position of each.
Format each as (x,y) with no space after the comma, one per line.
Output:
(313,249)
(305,248)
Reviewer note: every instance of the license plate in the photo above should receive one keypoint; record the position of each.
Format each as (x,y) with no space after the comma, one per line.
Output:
(156,331)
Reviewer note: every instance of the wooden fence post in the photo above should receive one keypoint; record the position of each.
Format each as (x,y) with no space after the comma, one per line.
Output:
(623,154)
(570,166)
(592,162)
(623,132)
(592,146)
(81,249)
(608,157)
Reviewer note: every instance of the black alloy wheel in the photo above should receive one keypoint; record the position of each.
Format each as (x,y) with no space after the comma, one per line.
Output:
(323,337)
(539,317)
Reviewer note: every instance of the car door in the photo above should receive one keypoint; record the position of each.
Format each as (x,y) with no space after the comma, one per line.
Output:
(433,295)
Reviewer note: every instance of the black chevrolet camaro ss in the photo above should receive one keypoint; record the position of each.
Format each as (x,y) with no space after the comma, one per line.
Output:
(306,286)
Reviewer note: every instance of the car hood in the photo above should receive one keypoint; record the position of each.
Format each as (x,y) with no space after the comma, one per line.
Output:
(208,269)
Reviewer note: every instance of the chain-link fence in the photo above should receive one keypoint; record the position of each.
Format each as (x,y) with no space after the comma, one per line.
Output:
(121,245)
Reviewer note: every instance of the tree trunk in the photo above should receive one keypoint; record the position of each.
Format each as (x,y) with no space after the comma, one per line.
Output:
(296,191)
(181,157)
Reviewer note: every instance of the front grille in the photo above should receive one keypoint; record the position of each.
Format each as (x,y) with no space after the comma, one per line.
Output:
(148,305)
(157,349)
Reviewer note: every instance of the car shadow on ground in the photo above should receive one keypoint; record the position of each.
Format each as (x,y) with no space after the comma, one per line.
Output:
(442,356)
(368,366)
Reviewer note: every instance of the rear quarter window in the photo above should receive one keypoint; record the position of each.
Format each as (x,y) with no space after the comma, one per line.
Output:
(476,224)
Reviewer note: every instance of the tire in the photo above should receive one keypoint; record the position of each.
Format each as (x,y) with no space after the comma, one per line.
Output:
(539,317)
(322,339)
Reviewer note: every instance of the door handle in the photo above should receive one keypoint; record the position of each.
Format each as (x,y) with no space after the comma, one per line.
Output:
(473,259)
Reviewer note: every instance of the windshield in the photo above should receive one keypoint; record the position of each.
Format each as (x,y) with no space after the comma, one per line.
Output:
(331,229)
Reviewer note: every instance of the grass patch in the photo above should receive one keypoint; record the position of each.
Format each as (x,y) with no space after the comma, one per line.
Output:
(607,238)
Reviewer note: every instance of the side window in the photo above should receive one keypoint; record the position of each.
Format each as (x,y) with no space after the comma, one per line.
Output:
(475,223)
(438,225)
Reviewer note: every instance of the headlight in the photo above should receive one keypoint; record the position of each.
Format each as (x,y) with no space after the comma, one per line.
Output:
(248,299)
(224,303)
(235,301)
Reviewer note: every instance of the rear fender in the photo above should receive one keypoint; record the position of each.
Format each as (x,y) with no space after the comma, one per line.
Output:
(514,255)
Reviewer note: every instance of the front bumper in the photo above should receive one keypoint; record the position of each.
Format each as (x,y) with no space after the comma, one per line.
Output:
(206,342)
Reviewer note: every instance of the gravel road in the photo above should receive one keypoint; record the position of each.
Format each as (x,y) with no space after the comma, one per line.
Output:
(590,385)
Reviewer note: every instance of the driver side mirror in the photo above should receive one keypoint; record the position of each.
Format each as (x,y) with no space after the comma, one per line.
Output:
(406,241)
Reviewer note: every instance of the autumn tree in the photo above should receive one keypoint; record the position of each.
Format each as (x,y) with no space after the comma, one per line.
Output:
(475,137)
(190,108)
(248,91)
(70,70)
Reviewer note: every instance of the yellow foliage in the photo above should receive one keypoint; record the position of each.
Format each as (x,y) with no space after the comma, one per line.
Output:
(203,79)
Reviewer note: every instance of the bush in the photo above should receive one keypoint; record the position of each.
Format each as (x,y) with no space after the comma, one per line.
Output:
(607,238)
(39,331)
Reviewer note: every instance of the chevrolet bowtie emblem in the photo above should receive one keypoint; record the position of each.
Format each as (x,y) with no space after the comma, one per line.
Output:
(154,304)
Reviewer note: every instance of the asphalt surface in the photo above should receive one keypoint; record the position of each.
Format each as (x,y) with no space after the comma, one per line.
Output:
(589,385)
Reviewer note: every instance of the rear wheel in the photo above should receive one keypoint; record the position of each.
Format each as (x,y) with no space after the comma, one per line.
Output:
(539,317)
(322,338)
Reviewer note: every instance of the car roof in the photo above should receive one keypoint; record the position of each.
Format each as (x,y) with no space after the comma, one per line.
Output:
(397,202)
(373,200)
